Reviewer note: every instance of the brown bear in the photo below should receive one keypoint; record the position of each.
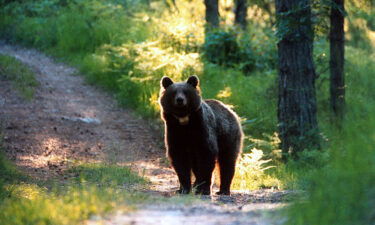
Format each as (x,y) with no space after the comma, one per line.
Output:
(199,133)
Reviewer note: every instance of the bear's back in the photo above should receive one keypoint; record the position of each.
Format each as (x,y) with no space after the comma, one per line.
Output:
(227,121)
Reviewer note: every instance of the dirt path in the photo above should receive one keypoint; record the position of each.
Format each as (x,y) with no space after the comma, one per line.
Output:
(69,119)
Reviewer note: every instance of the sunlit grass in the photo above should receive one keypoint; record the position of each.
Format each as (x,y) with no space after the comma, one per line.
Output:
(96,190)
(31,204)
(92,189)
(106,174)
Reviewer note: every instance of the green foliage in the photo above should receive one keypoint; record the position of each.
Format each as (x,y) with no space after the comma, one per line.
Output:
(20,75)
(246,51)
(107,65)
(73,27)
(132,70)
(250,173)
(85,25)
(342,193)
(221,48)
(340,180)
(240,92)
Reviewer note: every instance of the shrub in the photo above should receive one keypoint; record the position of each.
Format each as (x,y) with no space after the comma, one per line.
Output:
(250,174)
(221,48)
(247,51)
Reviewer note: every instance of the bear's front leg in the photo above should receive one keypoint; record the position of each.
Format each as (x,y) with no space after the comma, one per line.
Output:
(181,164)
(203,167)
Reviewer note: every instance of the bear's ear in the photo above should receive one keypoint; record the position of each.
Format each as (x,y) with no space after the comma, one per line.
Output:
(166,82)
(193,81)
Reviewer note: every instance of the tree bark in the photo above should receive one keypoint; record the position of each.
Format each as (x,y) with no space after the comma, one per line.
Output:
(212,13)
(240,13)
(336,62)
(298,126)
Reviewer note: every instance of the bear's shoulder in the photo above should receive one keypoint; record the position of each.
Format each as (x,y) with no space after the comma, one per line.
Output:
(217,105)
(221,111)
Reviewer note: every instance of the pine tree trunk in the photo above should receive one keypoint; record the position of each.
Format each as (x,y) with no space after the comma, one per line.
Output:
(212,13)
(298,126)
(336,63)
(240,13)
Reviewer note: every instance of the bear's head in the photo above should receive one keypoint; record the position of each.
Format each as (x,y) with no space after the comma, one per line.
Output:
(180,99)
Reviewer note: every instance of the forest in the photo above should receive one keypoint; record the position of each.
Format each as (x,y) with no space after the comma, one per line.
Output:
(299,73)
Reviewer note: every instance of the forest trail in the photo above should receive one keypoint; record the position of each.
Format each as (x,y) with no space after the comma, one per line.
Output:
(69,120)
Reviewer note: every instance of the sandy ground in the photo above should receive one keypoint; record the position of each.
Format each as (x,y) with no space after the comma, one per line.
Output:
(69,121)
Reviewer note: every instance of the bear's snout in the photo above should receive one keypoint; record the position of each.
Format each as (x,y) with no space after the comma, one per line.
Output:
(180,100)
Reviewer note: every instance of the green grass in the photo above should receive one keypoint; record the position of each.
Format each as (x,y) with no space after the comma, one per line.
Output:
(92,189)
(341,190)
(33,202)
(21,76)
(107,175)
(8,175)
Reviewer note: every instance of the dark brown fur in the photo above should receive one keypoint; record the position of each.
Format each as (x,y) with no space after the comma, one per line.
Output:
(199,133)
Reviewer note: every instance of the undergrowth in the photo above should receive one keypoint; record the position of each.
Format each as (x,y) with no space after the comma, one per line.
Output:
(25,200)
(21,76)
(341,190)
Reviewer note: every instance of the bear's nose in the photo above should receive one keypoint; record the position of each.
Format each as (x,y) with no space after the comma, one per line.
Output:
(180,101)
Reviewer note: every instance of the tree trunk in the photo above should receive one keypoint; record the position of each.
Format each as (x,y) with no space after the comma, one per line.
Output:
(298,125)
(212,13)
(240,12)
(336,62)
